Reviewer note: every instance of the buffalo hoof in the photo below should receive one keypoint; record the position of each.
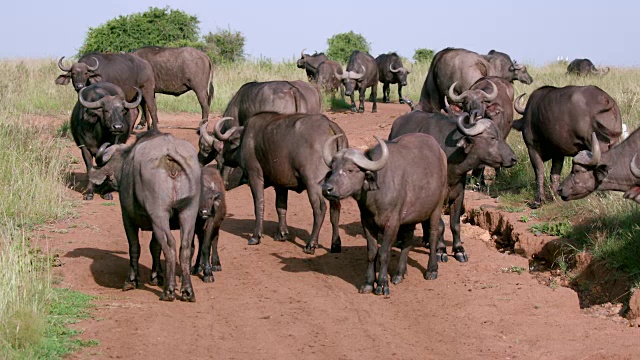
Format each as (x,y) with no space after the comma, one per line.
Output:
(461,256)
(217,267)
(366,289)
(281,236)
(430,275)
(254,241)
(397,279)
(208,279)
(401,101)
(374,110)
(168,295)
(382,290)
(442,257)
(108,196)
(386,101)
(309,249)
(140,127)
(187,294)
(130,285)
(195,270)
(157,281)
(87,197)
(361,110)
(336,247)
(354,109)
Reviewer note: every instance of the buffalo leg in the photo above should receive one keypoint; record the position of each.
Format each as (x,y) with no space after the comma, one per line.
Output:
(187,227)
(205,102)
(157,278)
(144,115)
(374,92)
(215,258)
(334,216)
(134,254)
(405,240)
(199,264)
(150,109)
(435,228)
(256,183)
(554,176)
(401,99)
(319,209)
(353,101)
(371,234)
(538,169)
(160,225)
(386,92)
(388,237)
(362,93)
(88,163)
(454,219)
(282,195)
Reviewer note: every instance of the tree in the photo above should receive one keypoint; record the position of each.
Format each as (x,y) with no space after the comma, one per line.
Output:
(224,46)
(156,26)
(423,55)
(342,45)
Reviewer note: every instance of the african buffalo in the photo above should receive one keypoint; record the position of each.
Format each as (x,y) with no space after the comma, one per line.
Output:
(210,216)
(284,151)
(613,170)
(397,185)
(101,115)
(127,71)
(559,122)
(391,71)
(328,76)
(583,67)
(310,63)
(464,68)
(158,178)
(178,70)
(466,148)
(361,73)
(506,68)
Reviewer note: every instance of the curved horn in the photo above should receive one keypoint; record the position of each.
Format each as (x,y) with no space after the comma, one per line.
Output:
(589,158)
(339,76)
(494,93)
(446,104)
(356,75)
(518,106)
(478,128)
(100,160)
(371,165)
(302,54)
(635,170)
(204,135)
(65,69)
(134,104)
(93,68)
(218,128)
(455,98)
(85,103)
(327,156)
(394,70)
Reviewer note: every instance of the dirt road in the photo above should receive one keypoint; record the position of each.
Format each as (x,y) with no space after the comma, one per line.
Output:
(272,301)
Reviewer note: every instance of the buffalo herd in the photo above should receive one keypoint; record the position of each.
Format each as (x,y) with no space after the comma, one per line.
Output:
(459,125)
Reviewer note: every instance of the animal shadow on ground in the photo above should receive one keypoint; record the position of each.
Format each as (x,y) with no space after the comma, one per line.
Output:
(110,268)
(77,181)
(349,265)
(244,228)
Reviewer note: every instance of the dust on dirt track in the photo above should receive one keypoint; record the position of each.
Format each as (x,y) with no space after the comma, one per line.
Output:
(273,301)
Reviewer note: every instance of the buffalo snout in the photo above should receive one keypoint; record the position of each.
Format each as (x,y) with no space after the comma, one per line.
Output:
(328,190)
(204,213)
(78,87)
(117,127)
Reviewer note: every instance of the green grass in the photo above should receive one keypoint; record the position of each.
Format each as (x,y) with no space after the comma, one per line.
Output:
(560,228)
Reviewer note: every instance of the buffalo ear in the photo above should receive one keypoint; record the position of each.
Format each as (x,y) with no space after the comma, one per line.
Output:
(97,177)
(494,109)
(63,79)
(601,172)
(95,78)
(465,143)
(370,181)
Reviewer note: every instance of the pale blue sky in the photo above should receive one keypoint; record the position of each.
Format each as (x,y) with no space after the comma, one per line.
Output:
(536,32)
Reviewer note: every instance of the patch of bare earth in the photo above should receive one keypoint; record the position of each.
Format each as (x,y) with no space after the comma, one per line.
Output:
(274,301)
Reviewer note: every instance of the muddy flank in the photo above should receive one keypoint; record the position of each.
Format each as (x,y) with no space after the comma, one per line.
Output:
(272,301)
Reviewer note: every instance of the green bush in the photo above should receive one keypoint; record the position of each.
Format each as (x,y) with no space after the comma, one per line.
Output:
(156,26)
(224,46)
(342,45)
(423,55)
